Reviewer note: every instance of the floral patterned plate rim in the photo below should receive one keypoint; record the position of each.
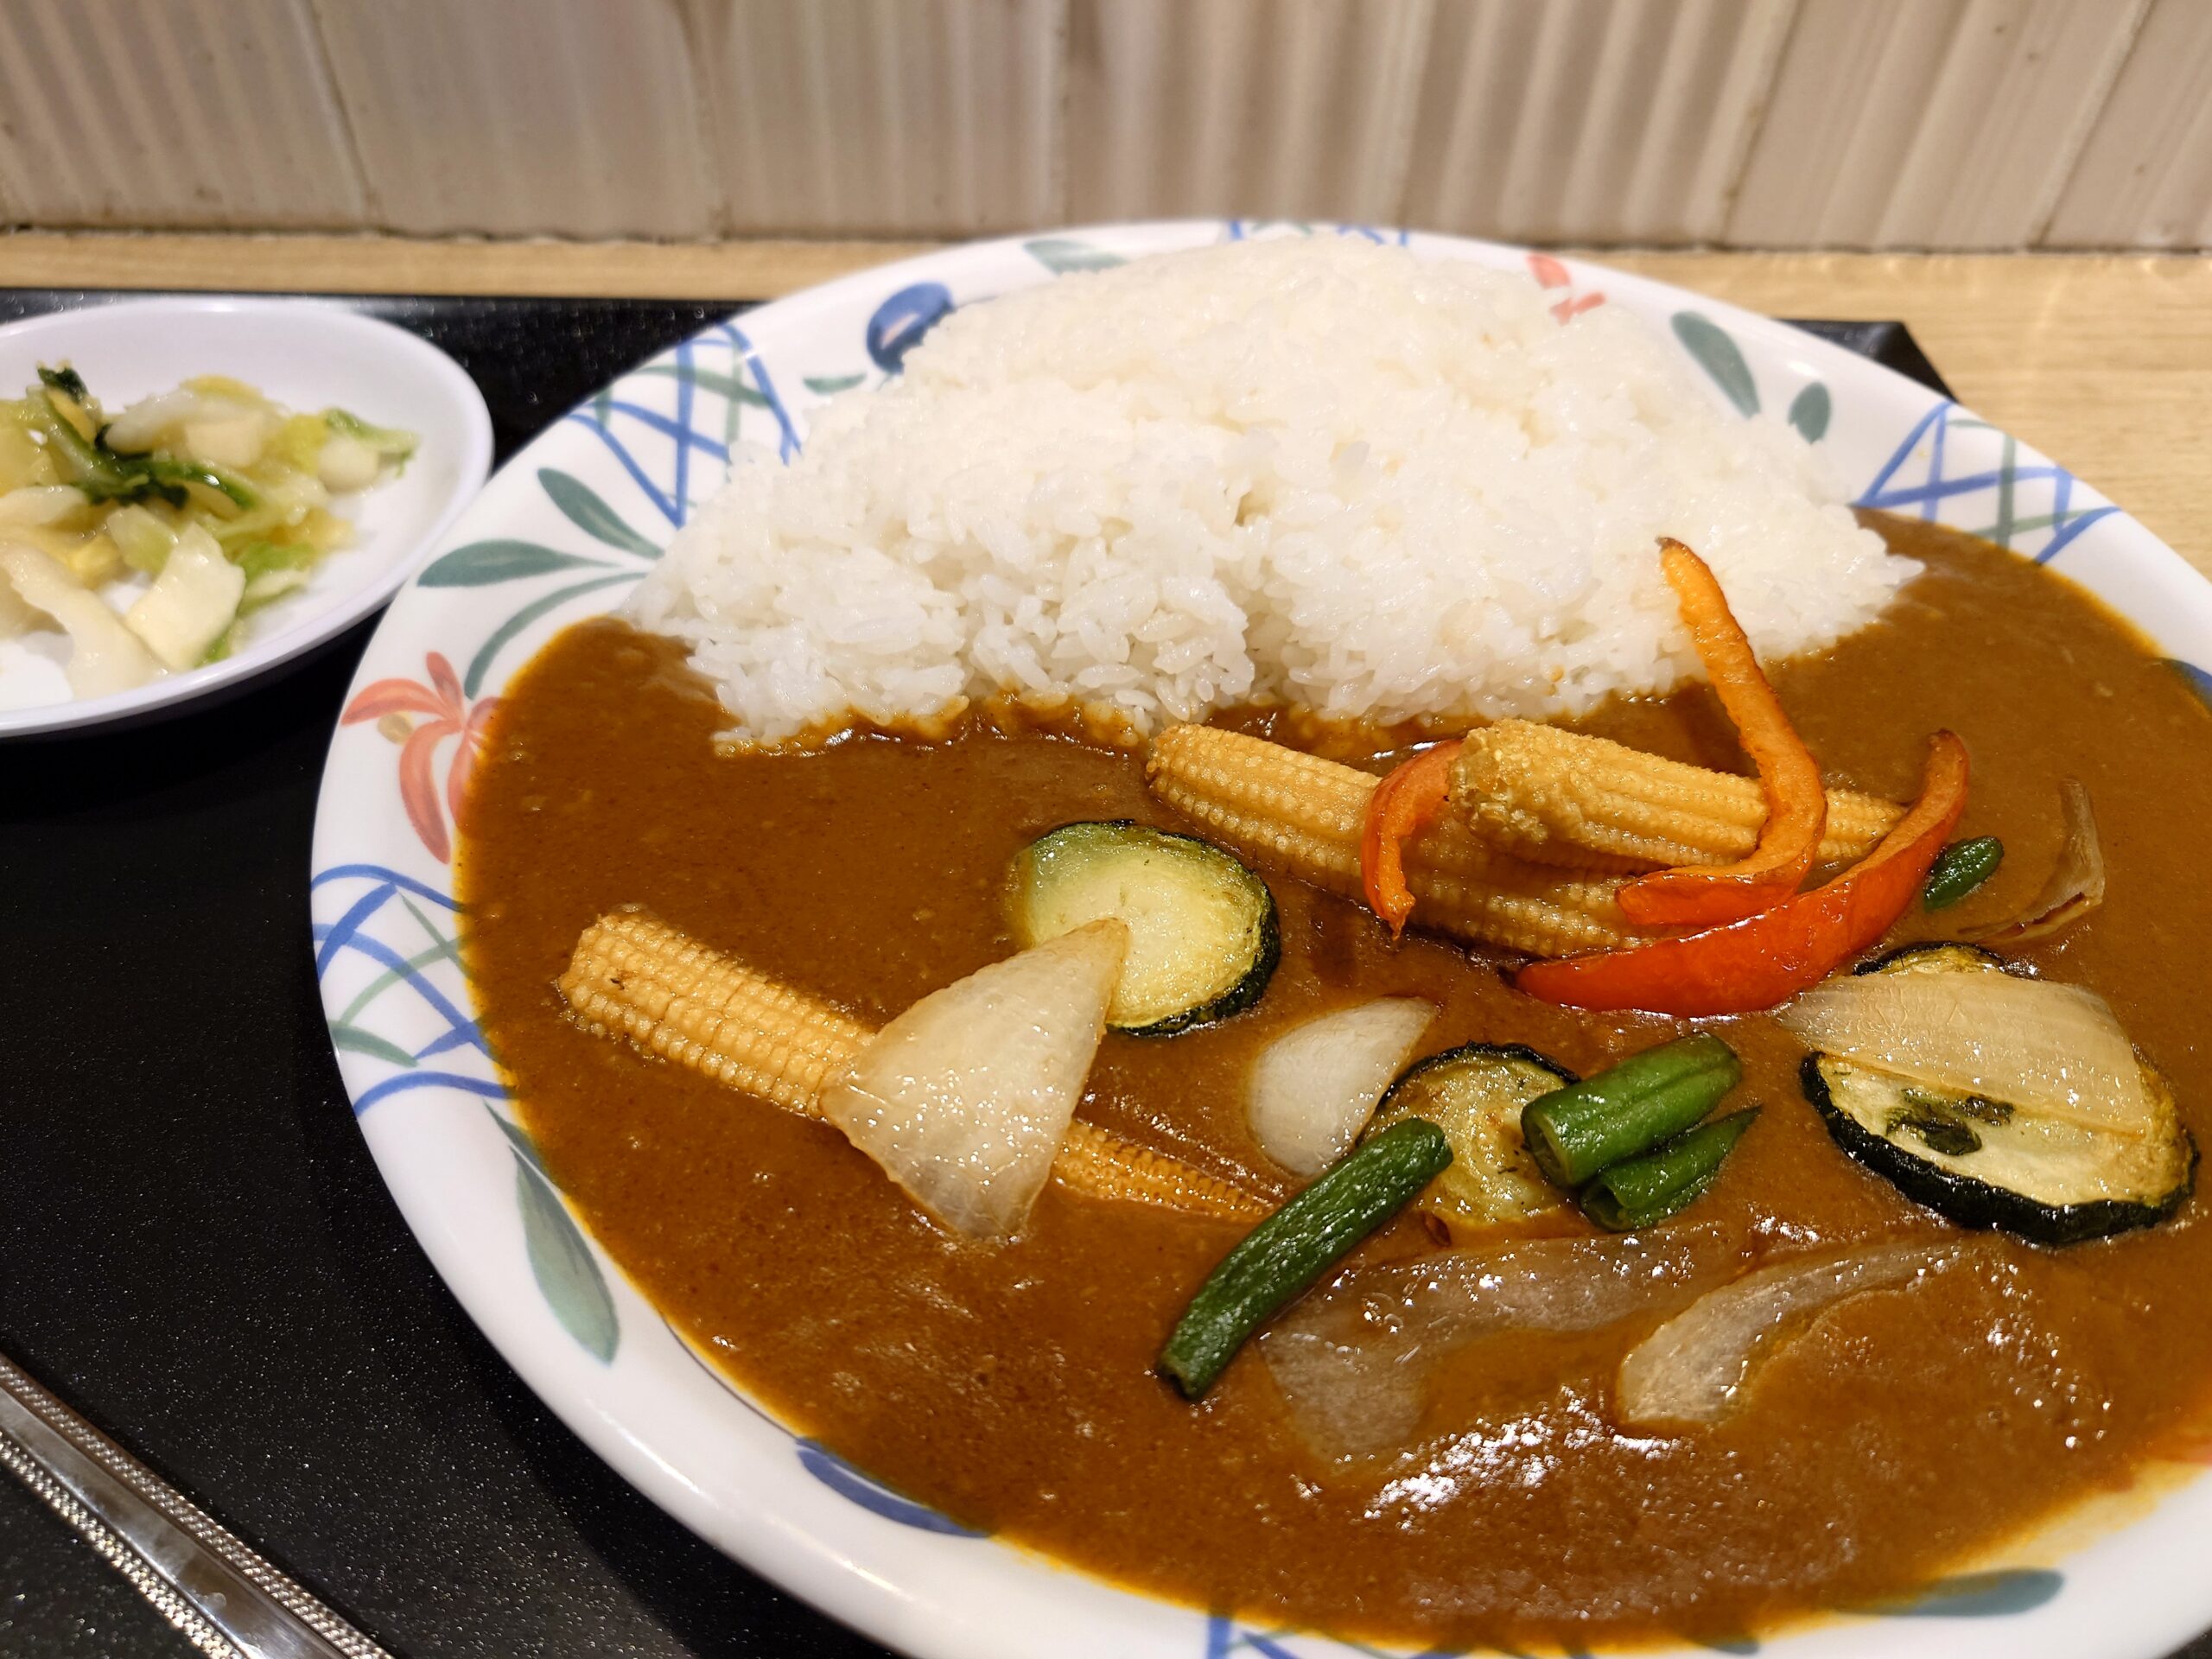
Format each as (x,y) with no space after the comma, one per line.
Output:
(568,527)
(306,354)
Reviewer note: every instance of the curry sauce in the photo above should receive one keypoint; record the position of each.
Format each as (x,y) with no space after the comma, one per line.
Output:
(1011,1386)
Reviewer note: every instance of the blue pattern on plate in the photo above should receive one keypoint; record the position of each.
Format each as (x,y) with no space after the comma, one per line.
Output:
(843,1478)
(719,361)
(1245,230)
(901,322)
(2000,1594)
(2200,681)
(2015,503)
(349,933)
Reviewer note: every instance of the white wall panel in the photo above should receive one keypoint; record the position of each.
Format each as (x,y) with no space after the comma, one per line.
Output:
(1594,120)
(182,113)
(882,117)
(1950,123)
(579,117)
(1877,123)
(2144,177)
(1276,109)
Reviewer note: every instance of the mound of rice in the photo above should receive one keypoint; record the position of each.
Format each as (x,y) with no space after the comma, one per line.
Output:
(1315,471)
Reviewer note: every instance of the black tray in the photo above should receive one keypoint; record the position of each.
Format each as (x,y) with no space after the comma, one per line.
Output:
(194,1248)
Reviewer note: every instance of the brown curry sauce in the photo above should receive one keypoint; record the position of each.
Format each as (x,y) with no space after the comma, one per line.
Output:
(1011,1386)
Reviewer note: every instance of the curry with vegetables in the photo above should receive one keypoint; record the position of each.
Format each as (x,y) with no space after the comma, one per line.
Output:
(1725,1159)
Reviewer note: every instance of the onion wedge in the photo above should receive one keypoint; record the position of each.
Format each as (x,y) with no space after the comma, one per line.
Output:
(2076,886)
(1796,802)
(1354,1361)
(965,1097)
(2049,1050)
(1694,1369)
(1314,1089)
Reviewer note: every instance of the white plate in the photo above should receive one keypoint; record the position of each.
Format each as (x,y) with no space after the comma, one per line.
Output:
(566,530)
(307,355)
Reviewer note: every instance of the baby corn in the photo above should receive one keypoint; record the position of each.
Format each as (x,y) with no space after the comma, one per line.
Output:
(1559,797)
(635,976)
(1302,815)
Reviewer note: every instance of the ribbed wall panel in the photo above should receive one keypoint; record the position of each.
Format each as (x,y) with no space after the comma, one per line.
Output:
(1594,120)
(1945,124)
(508,117)
(1937,123)
(1277,109)
(186,113)
(882,117)
(2144,178)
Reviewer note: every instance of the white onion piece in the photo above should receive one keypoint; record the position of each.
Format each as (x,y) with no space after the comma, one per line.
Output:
(104,657)
(140,426)
(16,616)
(233,436)
(966,1096)
(1312,1089)
(1693,1368)
(2049,1050)
(347,464)
(190,602)
(1354,1361)
(2077,884)
(40,504)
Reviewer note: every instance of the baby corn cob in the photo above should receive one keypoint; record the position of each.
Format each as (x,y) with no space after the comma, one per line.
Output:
(633,975)
(1301,815)
(1559,797)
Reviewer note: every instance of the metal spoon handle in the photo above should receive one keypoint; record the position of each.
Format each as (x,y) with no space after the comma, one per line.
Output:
(225,1600)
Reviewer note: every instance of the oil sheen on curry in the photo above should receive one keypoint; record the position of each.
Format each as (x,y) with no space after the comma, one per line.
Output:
(1729,1197)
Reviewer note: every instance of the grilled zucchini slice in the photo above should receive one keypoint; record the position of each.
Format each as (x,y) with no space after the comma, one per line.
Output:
(1204,935)
(1475,1093)
(1981,1163)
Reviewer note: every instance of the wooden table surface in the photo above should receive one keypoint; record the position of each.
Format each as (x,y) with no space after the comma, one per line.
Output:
(2101,360)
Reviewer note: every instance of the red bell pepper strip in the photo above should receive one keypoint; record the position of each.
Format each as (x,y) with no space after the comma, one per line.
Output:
(1769,957)
(1796,804)
(1404,804)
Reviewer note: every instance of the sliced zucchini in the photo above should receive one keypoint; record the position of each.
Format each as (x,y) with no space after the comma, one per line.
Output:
(1983,1163)
(1203,936)
(1475,1093)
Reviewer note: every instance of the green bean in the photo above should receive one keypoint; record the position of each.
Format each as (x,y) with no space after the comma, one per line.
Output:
(1960,869)
(1574,1133)
(1278,1260)
(1641,1192)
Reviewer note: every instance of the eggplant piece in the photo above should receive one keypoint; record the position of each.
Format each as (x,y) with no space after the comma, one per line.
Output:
(1984,1163)
(1204,938)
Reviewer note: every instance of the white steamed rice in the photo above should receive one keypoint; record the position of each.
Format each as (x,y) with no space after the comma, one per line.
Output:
(1314,470)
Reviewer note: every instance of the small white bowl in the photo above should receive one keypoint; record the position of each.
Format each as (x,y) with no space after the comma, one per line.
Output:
(307,355)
